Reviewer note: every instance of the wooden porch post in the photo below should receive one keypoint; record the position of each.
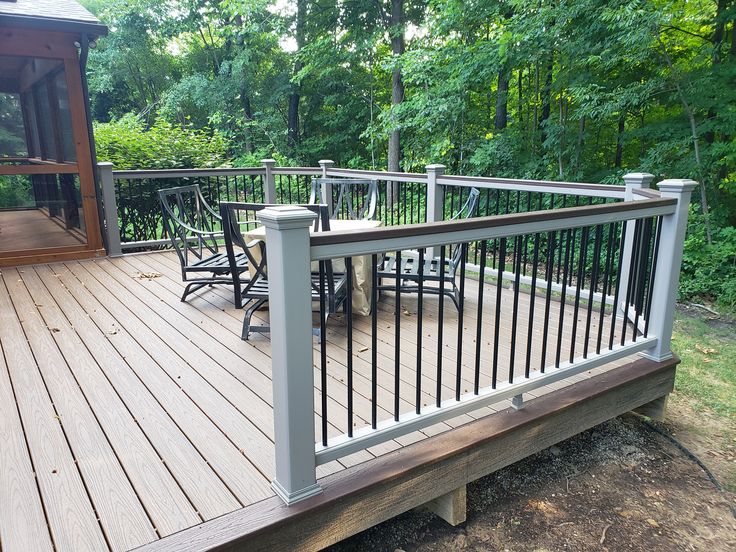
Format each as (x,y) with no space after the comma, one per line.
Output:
(269,182)
(669,259)
(290,310)
(634,181)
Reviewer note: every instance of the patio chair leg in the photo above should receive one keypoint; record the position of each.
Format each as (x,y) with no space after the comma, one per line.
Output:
(246,321)
(191,288)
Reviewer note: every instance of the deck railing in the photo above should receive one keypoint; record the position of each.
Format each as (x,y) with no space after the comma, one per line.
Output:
(582,275)
(617,266)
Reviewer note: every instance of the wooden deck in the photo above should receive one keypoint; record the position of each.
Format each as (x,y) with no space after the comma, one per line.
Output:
(29,229)
(127,416)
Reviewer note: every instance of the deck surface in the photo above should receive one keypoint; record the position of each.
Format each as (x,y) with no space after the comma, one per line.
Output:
(126,415)
(32,229)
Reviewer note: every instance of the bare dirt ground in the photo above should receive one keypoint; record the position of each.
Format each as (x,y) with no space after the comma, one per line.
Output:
(619,486)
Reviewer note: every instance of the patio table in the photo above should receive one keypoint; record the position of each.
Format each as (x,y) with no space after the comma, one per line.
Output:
(361,299)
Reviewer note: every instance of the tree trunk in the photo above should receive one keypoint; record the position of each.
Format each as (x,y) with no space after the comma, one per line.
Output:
(292,135)
(396,31)
(546,98)
(501,119)
(620,140)
(248,113)
(719,33)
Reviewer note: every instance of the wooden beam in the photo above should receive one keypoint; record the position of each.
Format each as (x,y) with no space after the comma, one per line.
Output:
(369,493)
(452,507)
(42,44)
(655,410)
(46,168)
(53,255)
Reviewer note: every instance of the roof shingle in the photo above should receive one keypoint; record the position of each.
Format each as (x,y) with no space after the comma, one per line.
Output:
(49,14)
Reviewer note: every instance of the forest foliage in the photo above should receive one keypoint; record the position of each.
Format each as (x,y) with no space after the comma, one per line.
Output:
(577,90)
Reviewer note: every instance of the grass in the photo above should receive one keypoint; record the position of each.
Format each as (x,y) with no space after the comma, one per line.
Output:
(707,375)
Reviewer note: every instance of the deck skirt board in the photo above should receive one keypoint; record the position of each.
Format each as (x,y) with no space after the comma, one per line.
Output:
(166,398)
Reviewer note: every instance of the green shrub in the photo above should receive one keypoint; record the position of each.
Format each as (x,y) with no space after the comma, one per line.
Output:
(128,144)
(709,271)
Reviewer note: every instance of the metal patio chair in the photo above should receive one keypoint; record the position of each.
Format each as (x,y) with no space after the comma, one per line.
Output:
(356,198)
(409,265)
(189,222)
(237,216)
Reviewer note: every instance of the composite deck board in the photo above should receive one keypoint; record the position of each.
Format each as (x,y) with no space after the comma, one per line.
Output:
(123,518)
(22,522)
(209,496)
(234,466)
(162,498)
(193,397)
(71,517)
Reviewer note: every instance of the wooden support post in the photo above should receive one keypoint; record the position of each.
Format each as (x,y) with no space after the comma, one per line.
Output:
(669,259)
(290,310)
(656,410)
(452,507)
(634,181)
(110,206)
(269,181)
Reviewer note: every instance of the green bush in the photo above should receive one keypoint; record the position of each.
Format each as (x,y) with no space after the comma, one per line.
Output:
(709,271)
(128,144)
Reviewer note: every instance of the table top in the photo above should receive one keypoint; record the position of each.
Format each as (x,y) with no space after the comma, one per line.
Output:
(336,225)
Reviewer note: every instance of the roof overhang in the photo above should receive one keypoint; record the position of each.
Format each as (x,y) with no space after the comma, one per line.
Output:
(53,24)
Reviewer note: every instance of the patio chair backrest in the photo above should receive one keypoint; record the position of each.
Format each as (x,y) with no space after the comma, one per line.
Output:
(356,198)
(468,210)
(238,215)
(189,222)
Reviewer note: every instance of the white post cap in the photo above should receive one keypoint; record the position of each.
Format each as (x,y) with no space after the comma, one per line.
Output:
(286,217)
(678,185)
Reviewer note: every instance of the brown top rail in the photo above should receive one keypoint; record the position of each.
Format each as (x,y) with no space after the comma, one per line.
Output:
(183,173)
(479,223)
(46,168)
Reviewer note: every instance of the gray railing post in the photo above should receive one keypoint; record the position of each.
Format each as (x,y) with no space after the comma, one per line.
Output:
(633,181)
(326,165)
(435,199)
(290,311)
(669,259)
(269,181)
(110,204)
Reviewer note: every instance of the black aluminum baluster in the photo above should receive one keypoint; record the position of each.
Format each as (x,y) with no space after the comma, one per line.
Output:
(580,284)
(349,316)
(532,297)
(479,322)
(440,325)
(632,278)
(515,313)
(563,297)
(614,312)
(604,286)
(397,336)
(323,349)
(593,285)
(420,317)
(497,321)
(550,268)
(460,319)
(374,340)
